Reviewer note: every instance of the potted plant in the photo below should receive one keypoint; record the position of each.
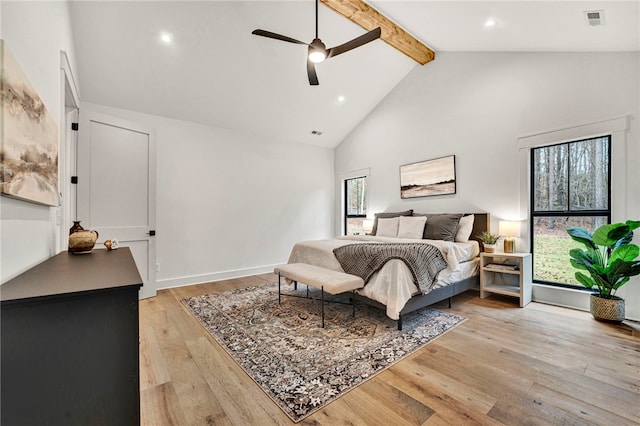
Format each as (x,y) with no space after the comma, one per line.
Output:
(610,259)
(488,241)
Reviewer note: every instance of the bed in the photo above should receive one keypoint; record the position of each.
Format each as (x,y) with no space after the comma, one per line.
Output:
(393,287)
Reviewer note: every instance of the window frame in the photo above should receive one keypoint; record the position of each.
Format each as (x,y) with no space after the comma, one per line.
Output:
(345,200)
(534,214)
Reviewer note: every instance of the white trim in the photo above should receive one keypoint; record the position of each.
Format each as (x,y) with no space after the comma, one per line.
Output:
(560,296)
(217,276)
(66,68)
(617,127)
(581,131)
(69,107)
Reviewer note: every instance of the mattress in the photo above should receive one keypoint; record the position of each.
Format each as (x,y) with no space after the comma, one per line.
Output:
(393,284)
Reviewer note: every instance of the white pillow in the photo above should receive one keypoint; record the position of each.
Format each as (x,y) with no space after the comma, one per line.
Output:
(387,227)
(465,227)
(411,226)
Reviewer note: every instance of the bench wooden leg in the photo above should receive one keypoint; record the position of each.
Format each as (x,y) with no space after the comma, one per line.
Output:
(353,304)
(322,304)
(309,296)
(279,294)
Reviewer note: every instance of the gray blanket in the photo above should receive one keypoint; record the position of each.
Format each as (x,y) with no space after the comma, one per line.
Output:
(424,260)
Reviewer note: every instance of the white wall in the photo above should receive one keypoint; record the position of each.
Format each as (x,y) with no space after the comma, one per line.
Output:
(230,203)
(476,105)
(35,32)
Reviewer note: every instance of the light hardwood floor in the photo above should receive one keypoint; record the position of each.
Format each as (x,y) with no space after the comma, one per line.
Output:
(504,365)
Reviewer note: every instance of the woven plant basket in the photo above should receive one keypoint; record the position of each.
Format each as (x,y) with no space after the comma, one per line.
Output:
(607,309)
(489,248)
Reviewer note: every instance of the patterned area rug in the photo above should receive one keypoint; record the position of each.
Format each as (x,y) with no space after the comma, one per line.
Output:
(300,365)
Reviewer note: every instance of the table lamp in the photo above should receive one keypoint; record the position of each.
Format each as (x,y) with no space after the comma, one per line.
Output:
(509,229)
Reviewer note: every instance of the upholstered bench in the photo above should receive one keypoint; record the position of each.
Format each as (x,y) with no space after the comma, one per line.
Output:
(332,282)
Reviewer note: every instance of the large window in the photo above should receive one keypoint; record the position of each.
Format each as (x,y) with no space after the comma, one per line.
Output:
(570,186)
(355,208)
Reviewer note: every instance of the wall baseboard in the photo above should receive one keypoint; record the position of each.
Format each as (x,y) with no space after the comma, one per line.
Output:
(550,295)
(216,276)
(565,297)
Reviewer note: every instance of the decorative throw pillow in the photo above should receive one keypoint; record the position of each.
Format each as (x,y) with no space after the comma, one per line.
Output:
(411,227)
(465,227)
(441,226)
(387,215)
(388,227)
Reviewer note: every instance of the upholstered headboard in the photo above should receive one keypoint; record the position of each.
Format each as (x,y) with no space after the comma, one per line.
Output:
(481,222)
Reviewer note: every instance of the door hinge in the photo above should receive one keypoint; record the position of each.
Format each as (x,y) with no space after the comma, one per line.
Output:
(151,233)
(74,179)
(74,126)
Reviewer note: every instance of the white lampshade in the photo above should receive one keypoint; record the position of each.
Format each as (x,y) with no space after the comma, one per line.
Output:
(367,225)
(508,228)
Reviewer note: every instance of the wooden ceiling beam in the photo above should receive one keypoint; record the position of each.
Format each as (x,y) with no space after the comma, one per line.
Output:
(367,17)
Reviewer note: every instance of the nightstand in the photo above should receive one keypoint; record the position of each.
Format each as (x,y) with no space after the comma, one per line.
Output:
(506,273)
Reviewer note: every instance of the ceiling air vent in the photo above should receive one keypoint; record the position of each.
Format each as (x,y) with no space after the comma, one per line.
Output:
(594,17)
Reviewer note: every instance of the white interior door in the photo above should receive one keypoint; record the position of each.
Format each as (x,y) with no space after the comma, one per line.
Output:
(116,187)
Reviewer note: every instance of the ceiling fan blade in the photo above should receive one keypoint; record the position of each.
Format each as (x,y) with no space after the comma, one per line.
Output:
(356,42)
(269,34)
(311,71)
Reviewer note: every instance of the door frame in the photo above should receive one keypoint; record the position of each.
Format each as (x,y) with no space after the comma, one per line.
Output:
(84,195)
(65,213)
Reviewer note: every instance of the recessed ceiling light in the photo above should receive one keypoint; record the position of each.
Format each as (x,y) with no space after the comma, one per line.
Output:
(341,99)
(166,38)
(490,23)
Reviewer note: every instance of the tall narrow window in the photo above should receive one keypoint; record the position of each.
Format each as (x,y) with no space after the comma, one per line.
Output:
(355,208)
(570,186)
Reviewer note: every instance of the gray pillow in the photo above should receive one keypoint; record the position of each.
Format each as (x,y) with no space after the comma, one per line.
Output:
(441,226)
(388,215)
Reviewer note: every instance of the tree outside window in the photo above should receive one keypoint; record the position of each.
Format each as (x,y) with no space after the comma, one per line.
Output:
(570,186)
(355,190)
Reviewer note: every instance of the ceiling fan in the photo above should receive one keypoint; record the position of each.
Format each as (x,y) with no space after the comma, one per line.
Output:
(318,52)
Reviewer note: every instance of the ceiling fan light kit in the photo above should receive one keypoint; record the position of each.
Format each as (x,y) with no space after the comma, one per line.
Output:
(318,51)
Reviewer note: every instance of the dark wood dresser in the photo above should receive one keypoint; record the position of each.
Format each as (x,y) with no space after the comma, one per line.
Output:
(70,343)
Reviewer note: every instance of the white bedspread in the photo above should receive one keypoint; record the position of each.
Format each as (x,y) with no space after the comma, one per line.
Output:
(393,285)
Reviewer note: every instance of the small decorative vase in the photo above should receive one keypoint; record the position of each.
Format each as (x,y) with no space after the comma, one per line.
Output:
(76,227)
(489,248)
(607,308)
(82,241)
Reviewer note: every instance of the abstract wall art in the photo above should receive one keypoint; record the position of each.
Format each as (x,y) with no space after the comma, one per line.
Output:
(29,138)
(427,178)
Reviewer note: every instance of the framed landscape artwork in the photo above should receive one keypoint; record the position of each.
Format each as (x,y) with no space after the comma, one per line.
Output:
(28,138)
(428,178)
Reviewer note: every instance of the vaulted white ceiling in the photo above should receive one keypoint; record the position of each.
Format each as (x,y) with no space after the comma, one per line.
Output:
(215,72)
